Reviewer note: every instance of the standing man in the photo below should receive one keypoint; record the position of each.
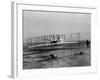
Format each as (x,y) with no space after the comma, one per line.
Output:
(88,43)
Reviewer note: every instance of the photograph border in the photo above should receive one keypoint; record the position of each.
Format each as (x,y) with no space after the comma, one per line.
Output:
(17,44)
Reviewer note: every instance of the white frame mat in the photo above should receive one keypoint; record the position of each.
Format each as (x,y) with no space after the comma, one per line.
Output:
(17,57)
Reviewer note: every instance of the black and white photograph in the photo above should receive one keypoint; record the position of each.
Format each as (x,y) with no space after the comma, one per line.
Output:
(56,39)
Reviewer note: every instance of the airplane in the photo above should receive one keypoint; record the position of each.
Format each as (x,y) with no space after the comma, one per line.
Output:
(57,44)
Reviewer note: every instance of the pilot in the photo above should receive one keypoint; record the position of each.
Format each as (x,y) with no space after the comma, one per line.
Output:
(59,40)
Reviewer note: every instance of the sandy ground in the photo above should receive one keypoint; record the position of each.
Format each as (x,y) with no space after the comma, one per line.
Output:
(63,58)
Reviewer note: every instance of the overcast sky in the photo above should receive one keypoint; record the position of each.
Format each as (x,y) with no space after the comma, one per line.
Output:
(42,23)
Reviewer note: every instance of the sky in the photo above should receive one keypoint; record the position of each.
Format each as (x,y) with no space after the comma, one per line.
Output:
(37,23)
